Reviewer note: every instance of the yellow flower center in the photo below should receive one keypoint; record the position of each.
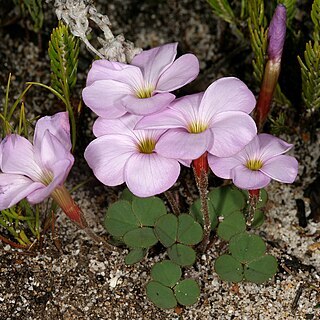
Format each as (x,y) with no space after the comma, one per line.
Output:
(197,127)
(46,177)
(254,165)
(145,92)
(147,145)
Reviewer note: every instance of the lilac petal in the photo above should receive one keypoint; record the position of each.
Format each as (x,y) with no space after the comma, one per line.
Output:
(271,146)
(222,167)
(147,105)
(155,61)
(247,179)
(18,157)
(226,94)
(232,130)
(107,156)
(150,174)
(58,125)
(182,71)
(14,188)
(52,151)
(165,119)
(180,144)
(123,125)
(282,168)
(104,98)
(60,171)
(109,70)
(180,114)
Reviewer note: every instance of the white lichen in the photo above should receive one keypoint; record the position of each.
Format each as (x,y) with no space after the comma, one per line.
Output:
(77,13)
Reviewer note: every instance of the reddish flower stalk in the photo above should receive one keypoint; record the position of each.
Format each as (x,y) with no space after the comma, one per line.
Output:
(200,169)
(254,196)
(276,37)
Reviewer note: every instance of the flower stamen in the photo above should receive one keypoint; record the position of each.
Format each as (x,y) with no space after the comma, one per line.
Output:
(147,145)
(197,127)
(254,164)
(145,92)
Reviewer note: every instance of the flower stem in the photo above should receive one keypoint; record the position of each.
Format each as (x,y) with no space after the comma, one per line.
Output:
(63,198)
(253,201)
(200,168)
(269,83)
(173,202)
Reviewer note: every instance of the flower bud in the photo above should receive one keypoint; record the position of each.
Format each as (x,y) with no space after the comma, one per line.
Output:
(277,33)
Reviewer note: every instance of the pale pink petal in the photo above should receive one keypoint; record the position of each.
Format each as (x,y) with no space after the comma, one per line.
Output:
(60,171)
(282,168)
(271,146)
(109,70)
(180,144)
(232,130)
(51,151)
(165,119)
(155,61)
(180,114)
(123,125)
(15,187)
(104,98)
(247,179)
(222,167)
(146,106)
(182,71)
(58,125)
(18,157)
(226,94)
(150,174)
(107,156)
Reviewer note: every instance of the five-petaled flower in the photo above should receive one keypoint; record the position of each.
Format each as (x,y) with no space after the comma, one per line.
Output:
(144,87)
(122,154)
(216,121)
(34,171)
(260,161)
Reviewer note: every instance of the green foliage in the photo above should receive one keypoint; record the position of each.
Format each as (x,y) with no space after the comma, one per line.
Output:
(166,229)
(143,237)
(120,219)
(36,12)
(162,296)
(166,272)
(261,269)
(315,16)
(246,247)
(189,231)
(231,225)
(258,36)
(223,10)
(187,292)
(279,125)
(165,289)
(247,260)
(228,268)
(311,75)
(222,201)
(135,255)
(182,255)
(63,52)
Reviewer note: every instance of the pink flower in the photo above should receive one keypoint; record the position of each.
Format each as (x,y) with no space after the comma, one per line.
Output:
(260,161)
(35,170)
(216,121)
(121,154)
(114,88)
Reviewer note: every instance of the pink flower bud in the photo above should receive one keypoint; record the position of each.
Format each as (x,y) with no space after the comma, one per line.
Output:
(277,33)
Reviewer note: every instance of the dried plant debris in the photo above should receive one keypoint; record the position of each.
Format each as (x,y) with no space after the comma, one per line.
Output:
(77,15)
